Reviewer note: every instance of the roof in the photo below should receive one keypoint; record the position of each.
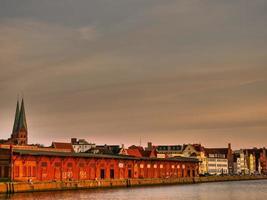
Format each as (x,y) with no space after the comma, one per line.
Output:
(198,147)
(100,151)
(133,152)
(22,117)
(62,145)
(81,142)
(108,146)
(149,153)
(254,151)
(88,155)
(16,121)
(140,148)
(169,148)
(216,151)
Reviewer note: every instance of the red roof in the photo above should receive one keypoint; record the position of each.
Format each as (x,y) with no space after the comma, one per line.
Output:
(149,153)
(62,145)
(140,148)
(133,152)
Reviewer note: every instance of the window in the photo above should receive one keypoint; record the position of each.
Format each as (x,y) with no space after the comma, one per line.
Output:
(24,171)
(33,171)
(102,173)
(16,172)
(112,174)
(188,173)
(129,173)
(6,172)
(29,171)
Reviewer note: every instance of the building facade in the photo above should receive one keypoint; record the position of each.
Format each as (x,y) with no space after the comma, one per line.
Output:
(197,151)
(220,160)
(263,161)
(168,151)
(5,164)
(25,165)
(81,145)
(250,161)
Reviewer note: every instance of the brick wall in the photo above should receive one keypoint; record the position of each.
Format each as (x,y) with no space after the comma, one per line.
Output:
(45,168)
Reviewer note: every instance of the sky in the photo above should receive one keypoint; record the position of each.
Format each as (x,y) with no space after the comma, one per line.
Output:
(125,71)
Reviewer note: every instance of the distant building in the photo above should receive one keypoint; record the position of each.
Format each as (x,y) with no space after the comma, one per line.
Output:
(81,145)
(240,162)
(263,161)
(105,149)
(219,160)
(138,151)
(250,161)
(168,151)
(197,151)
(252,164)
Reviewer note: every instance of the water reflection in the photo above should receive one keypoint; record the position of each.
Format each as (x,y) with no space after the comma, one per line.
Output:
(245,190)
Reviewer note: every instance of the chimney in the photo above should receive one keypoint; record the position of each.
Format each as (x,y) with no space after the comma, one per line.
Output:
(229,146)
(149,146)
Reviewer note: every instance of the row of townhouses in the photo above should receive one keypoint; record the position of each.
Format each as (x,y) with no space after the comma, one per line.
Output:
(212,161)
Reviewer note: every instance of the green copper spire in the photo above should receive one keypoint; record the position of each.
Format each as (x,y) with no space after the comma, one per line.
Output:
(22,118)
(16,121)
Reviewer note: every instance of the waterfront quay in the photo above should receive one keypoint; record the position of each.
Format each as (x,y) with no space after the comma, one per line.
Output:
(17,187)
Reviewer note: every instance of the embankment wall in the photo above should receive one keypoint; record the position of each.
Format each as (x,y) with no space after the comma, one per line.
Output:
(14,187)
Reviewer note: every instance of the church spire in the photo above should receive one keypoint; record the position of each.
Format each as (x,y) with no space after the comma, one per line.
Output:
(22,118)
(16,120)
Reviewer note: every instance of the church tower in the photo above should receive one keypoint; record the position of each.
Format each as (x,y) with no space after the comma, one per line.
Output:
(19,134)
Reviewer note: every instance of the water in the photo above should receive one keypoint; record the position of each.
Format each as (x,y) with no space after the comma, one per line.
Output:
(243,190)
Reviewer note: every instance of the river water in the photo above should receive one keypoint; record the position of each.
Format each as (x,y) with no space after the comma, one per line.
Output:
(242,190)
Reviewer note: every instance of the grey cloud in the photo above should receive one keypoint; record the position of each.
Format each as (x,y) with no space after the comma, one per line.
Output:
(178,70)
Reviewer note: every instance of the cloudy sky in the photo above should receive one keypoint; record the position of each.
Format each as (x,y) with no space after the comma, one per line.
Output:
(115,71)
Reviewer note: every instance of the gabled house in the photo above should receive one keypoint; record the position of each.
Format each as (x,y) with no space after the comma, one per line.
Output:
(197,151)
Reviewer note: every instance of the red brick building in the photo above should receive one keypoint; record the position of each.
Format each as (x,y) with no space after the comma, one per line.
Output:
(24,165)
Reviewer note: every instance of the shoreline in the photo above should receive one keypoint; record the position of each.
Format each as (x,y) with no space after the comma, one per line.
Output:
(18,187)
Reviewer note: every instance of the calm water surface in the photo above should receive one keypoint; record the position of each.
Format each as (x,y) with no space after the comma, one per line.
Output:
(244,190)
